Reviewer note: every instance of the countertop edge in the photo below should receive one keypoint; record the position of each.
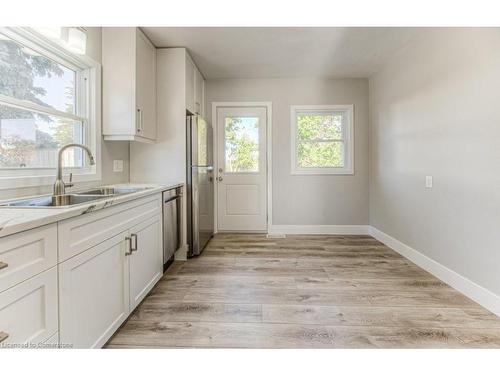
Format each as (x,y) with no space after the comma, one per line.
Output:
(16,220)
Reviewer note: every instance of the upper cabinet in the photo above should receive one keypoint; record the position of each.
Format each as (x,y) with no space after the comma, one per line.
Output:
(129,85)
(190,76)
(195,85)
(199,87)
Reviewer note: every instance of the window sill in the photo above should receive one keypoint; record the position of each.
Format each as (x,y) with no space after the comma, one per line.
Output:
(323,172)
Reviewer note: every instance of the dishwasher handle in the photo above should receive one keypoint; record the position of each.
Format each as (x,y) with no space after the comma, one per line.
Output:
(169,199)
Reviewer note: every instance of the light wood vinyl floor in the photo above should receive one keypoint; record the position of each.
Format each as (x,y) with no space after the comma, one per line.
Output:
(249,291)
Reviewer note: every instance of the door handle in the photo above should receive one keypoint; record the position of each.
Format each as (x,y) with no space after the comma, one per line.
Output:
(133,237)
(3,336)
(3,265)
(129,242)
(219,178)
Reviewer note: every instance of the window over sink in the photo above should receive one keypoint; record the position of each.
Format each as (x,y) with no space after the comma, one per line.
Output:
(49,97)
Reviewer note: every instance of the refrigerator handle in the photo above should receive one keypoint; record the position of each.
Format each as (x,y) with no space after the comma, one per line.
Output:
(207,167)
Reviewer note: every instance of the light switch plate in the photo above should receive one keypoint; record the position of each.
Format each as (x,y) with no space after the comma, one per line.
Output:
(117,165)
(428,182)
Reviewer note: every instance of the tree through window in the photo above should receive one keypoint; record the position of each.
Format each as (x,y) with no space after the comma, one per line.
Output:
(322,140)
(38,111)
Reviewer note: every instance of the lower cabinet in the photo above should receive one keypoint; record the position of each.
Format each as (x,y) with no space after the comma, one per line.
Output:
(93,294)
(28,311)
(146,261)
(100,287)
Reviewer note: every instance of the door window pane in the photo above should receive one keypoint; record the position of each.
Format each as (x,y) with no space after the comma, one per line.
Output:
(27,75)
(202,142)
(241,144)
(32,140)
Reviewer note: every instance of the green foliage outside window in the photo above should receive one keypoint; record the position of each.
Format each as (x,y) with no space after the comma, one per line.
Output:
(319,141)
(19,70)
(242,144)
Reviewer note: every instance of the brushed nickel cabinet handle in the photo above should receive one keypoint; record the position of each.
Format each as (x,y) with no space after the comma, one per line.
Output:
(3,336)
(139,125)
(134,237)
(129,242)
(3,265)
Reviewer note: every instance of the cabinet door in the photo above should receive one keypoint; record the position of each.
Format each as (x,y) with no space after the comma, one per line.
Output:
(28,311)
(198,92)
(94,294)
(146,262)
(145,87)
(190,78)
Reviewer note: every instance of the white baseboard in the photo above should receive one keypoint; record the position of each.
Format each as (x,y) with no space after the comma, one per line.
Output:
(477,293)
(319,229)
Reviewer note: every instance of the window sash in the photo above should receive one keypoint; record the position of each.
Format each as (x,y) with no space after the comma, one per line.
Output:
(82,114)
(346,138)
(90,81)
(325,112)
(298,167)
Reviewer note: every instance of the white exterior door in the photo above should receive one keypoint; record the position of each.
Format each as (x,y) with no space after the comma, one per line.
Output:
(242,169)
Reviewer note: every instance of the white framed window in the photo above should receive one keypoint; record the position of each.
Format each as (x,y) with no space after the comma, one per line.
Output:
(322,139)
(49,97)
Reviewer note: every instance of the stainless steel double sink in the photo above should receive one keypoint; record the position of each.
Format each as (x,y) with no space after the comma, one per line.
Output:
(51,201)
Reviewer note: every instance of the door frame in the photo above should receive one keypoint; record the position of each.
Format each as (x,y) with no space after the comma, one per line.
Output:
(269,167)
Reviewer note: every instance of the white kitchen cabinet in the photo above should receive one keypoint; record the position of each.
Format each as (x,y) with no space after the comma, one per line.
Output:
(80,233)
(190,82)
(195,86)
(129,85)
(28,311)
(101,285)
(146,260)
(94,294)
(199,87)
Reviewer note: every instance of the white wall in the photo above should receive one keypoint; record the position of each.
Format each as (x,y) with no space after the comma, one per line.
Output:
(435,111)
(307,200)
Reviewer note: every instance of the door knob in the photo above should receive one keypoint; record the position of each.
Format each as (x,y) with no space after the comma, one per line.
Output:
(219,178)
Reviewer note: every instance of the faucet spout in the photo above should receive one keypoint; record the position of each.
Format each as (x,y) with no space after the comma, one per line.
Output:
(59,185)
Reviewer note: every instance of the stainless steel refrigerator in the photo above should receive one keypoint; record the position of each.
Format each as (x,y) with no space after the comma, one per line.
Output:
(200,184)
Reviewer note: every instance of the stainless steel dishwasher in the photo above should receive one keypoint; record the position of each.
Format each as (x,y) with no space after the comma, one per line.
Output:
(172,200)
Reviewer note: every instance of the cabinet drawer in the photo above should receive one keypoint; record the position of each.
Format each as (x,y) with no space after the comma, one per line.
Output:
(28,311)
(83,232)
(26,254)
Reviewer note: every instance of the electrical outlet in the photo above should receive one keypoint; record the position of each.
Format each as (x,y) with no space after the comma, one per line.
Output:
(117,165)
(428,182)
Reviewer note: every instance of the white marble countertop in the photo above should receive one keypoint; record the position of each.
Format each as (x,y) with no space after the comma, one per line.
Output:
(17,219)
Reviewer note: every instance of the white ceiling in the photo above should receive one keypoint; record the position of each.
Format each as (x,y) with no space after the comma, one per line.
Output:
(227,52)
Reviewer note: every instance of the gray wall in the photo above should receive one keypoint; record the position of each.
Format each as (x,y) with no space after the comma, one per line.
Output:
(307,200)
(435,111)
(109,150)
